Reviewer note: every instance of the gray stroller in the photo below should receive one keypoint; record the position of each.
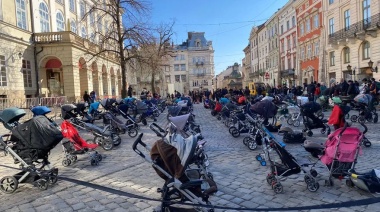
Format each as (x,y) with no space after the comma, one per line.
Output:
(29,144)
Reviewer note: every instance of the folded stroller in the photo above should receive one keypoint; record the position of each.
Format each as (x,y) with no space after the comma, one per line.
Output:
(181,185)
(77,146)
(311,121)
(29,144)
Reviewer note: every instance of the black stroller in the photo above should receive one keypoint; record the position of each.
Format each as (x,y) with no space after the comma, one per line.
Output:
(181,185)
(311,121)
(29,144)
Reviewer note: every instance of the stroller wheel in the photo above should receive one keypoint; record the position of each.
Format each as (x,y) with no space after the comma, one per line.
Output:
(8,184)
(42,184)
(213,113)
(66,162)
(278,188)
(296,123)
(361,119)
(246,140)
(270,179)
(367,143)
(308,179)
(132,133)
(290,121)
(309,133)
(313,187)
(354,118)
(144,122)
(106,143)
(116,140)
(53,179)
(258,157)
(72,158)
(375,118)
(323,131)
(219,118)
(252,145)
(210,176)
(94,162)
(304,130)
(263,163)
(349,183)
(234,132)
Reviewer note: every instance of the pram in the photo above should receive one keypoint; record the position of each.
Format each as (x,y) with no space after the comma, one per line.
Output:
(143,111)
(76,146)
(240,124)
(178,110)
(266,109)
(109,105)
(311,121)
(216,109)
(118,126)
(170,161)
(29,144)
(103,136)
(123,110)
(366,113)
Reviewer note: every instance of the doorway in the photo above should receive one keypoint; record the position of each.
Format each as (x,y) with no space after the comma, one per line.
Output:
(55,82)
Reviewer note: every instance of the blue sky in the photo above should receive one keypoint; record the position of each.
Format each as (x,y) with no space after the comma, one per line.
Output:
(227,23)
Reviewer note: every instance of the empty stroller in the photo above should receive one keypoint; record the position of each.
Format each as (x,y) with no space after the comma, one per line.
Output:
(366,112)
(181,185)
(311,121)
(29,144)
(76,146)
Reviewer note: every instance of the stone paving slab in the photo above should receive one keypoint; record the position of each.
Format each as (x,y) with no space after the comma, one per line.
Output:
(240,178)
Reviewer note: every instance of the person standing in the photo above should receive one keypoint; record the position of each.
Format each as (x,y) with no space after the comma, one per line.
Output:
(92,96)
(130,91)
(86,97)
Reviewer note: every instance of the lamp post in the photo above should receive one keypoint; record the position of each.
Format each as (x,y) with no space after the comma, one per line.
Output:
(370,64)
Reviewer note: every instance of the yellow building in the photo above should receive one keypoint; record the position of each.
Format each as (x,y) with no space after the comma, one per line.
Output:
(49,53)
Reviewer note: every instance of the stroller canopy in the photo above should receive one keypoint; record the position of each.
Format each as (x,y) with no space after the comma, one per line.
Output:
(93,107)
(104,102)
(11,115)
(363,98)
(40,110)
(65,109)
(265,108)
(141,105)
(311,107)
(179,122)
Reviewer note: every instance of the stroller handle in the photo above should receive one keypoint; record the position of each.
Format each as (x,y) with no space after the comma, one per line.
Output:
(344,129)
(139,141)
(154,127)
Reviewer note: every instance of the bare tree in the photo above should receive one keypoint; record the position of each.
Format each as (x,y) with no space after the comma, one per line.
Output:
(157,52)
(118,28)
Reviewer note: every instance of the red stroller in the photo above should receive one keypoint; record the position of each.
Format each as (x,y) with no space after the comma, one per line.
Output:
(77,145)
(217,109)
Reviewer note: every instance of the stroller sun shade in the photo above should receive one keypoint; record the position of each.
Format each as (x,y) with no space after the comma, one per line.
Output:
(179,122)
(40,110)
(363,98)
(67,108)
(11,115)
(265,108)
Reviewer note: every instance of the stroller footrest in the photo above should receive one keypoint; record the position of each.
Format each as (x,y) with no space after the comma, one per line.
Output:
(191,184)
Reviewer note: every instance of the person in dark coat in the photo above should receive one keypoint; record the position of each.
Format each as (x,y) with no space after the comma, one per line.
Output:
(86,97)
(130,91)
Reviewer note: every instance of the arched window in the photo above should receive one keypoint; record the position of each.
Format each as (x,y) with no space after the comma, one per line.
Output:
(366,50)
(346,54)
(60,22)
(84,32)
(44,18)
(21,14)
(72,5)
(73,26)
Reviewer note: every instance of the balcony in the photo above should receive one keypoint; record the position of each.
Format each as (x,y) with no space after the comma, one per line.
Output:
(287,73)
(199,63)
(66,37)
(357,30)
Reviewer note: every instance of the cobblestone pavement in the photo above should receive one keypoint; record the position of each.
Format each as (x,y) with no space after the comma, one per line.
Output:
(240,178)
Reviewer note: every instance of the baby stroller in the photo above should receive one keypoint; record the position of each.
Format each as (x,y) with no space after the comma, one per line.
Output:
(240,124)
(143,111)
(181,185)
(178,110)
(77,146)
(118,126)
(216,109)
(369,181)
(103,136)
(311,121)
(29,145)
(266,109)
(42,111)
(123,111)
(366,113)
(109,105)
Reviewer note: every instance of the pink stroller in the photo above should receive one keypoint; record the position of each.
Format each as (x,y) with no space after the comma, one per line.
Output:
(341,151)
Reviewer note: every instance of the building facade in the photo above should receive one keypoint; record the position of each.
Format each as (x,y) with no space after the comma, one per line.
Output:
(254,75)
(352,30)
(49,53)
(263,60)
(246,68)
(309,21)
(288,45)
(231,78)
(272,73)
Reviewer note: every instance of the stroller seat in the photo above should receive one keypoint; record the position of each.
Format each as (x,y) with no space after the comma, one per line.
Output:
(97,129)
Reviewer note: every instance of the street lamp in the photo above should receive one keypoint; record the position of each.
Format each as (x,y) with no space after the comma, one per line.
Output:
(370,64)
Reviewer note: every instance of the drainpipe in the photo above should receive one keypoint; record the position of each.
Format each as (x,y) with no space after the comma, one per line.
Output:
(35,53)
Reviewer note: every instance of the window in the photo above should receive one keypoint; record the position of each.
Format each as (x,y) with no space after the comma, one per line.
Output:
(366,13)
(84,32)
(331,26)
(332,58)
(316,21)
(183,67)
(294,41)
(302,56)
(60,22)
(307,25)
(183,78)
(27,73)
(302,30)
(347,20)
(346,52)
(293,21)
(73,26)
(176,67)
(294,61)
(182,57)
(60,1)
(177,77)
(44,18)
(104,5)
(331,1)
(287,25)
(288,40)
(106,27)
(92,37)
(21,14)
(72,5)
(92,18)
(3,71)
(289,62)
(316,48)
(282,29)
(309,51)
(282,46)
(366,50)
(82,9)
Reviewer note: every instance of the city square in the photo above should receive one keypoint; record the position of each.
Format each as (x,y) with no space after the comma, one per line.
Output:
(239,177)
